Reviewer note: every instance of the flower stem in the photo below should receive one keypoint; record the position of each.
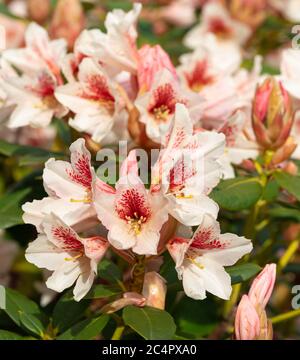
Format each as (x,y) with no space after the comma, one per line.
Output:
(287,316)
(118,332)
(233,300)
(287,256)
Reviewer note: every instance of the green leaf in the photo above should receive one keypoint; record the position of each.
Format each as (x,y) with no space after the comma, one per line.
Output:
(63,131)
(237,194)
(68,311)
(27,155)
(86,329)
(150,323)
(10,209)
(109,271)
(243,272)
(24,312)
(271,191)
(196,318)
(282,212)
(289,182)
(8,335)
(32,323)
(102,291)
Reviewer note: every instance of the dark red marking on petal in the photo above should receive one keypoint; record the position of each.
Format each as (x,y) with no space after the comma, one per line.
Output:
(81,171)
(199,77)
(205,239)
(97,90)
(66,238)
(133,205)
(45,86)
(179,174)
(219,27)
(163,102)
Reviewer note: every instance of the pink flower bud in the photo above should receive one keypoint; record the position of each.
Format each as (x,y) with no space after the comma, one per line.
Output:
(272,115)
(284,153)
(68,21)
(152,60)
(38,10)
(154,290)
(247,323)
(262,286)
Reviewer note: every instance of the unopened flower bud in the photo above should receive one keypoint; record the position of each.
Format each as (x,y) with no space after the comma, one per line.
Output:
(266,328)
(262,286)
(291,168)
(272,115)
(284,153)
(38,10)
(68,21)
(154,290)
(247,323)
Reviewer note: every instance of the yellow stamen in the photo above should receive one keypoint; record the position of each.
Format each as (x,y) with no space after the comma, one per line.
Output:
(182,196)
(74,258)
(200,266)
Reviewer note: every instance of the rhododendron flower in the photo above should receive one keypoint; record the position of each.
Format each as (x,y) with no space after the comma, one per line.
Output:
(70,189)
(188,169)
(92,99)
(39,55)
(200,261)
(71,258)
(116,48)
(204,73)
(34,99)
(133,215)
(216,19)
(157,107)
(240,143)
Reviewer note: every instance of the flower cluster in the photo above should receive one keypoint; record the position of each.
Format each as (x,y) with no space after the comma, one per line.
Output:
(225,134)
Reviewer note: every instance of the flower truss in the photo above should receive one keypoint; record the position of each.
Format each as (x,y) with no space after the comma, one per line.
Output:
(205,194)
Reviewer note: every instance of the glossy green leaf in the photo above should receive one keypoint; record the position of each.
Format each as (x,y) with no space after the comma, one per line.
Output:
(8,335)
(150,323)
(196,318)
(27,155)
(32,323)
(282,212)
(86,329)
(243,272)
(24,312)
(237,194)
(67,311)
(289,182)
(102,291)
(109,271)
(10,208)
